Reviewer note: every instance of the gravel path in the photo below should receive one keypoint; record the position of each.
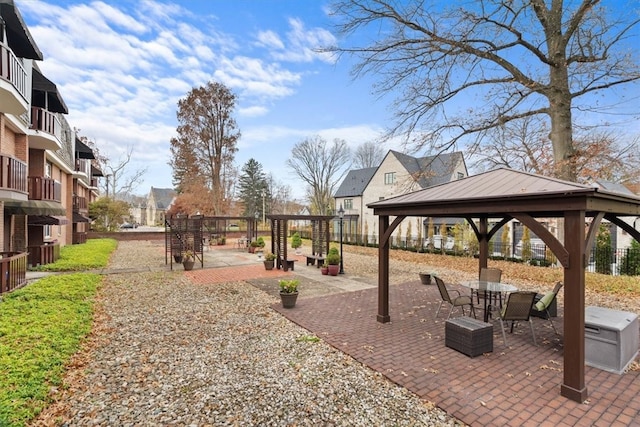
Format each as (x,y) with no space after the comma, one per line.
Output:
(166,352)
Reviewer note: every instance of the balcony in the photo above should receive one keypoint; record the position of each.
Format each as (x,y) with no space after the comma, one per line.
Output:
(13,84)
(79,237)
(13,270)
(13,174)
(45,132)
(41,188)
(43,254)
(80,204)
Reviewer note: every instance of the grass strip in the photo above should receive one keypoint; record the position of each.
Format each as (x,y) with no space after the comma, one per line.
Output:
(93,254)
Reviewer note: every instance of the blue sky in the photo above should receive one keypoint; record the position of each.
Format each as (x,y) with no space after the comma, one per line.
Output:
(121,67)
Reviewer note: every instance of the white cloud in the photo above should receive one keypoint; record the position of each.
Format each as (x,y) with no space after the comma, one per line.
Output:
(303,44)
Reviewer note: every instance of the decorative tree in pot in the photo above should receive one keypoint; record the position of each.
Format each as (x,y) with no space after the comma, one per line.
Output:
(324,269)
(296,242)
(288,292)
(269,260)
(333,259)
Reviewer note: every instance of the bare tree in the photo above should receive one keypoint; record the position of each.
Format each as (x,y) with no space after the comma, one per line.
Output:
(321,167)
(368,155)
(119,180)
(202,154)
(525,57)
(600,154)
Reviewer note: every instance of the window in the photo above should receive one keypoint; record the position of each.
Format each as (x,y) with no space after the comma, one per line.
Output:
(348,203)
(460,175)
(47,170)
(47,231)
(389,178)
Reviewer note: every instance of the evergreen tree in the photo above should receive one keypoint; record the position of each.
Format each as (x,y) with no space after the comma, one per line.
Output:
(252,186)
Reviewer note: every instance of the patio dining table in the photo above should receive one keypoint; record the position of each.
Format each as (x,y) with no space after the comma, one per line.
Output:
(491,290)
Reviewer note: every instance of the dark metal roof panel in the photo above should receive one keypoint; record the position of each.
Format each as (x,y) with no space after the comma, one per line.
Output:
(355,182)
(55,103)
(499,183)
(18,36)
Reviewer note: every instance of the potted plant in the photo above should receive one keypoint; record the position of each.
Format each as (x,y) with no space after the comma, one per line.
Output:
(324,269)
(260,241)
(425,278)
(269,260)
(288,292)
(333,259)
(253,246)
(188,260)
(296,242)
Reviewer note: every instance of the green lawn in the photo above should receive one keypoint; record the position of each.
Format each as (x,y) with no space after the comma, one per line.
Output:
(42,325)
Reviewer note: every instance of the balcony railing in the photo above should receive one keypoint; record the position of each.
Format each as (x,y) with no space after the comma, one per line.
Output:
(43,254)
(13,174)
(79,237)
(79,204)
(13,271)
(41,188)
(11,69)
(45,121)
(84,166)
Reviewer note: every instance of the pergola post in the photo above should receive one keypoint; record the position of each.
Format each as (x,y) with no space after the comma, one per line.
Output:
(383,270)
(573,386)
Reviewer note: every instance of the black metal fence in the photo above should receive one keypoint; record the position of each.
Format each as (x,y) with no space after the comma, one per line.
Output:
(621,261)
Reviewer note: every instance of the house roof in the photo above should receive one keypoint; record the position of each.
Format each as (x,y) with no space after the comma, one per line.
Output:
(430,170)
(355,182)
(162,197)
(18,36)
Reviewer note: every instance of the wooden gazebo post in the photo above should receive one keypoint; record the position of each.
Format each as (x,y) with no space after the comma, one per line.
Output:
(573,386)
(383,270)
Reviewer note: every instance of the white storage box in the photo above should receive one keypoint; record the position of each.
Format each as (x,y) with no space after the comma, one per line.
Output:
(611,338)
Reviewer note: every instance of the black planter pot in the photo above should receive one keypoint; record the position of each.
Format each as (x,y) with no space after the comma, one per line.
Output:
(188,265)
(268,265)
(288,299)
(425,278)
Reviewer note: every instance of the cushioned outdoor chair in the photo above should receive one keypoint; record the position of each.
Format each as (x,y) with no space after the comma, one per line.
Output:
(516,309)
(545,302)
(457,301)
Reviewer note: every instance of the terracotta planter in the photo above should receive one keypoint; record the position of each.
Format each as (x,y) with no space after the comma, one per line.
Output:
(334,269)
(288,299)
(188,265)
(324,270)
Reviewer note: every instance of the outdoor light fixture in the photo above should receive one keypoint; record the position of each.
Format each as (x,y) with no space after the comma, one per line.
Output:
(341,215)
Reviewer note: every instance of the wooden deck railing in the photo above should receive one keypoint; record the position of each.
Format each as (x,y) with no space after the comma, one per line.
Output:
(43,254)
(11,69)
(13,174)
(45,121)
(79,237)
(79,204)
(41,188)
(13,271)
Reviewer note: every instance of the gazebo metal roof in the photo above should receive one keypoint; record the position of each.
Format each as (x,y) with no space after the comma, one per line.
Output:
(506,194)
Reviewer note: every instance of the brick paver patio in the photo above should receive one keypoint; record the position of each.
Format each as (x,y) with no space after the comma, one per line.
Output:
(518,385)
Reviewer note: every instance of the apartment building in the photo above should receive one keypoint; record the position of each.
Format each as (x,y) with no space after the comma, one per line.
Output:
(46,179)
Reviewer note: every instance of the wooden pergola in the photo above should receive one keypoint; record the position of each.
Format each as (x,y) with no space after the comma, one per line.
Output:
(502,195)
(320,234)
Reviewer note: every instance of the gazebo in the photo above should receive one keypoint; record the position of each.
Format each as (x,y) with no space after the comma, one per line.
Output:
(505,194)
